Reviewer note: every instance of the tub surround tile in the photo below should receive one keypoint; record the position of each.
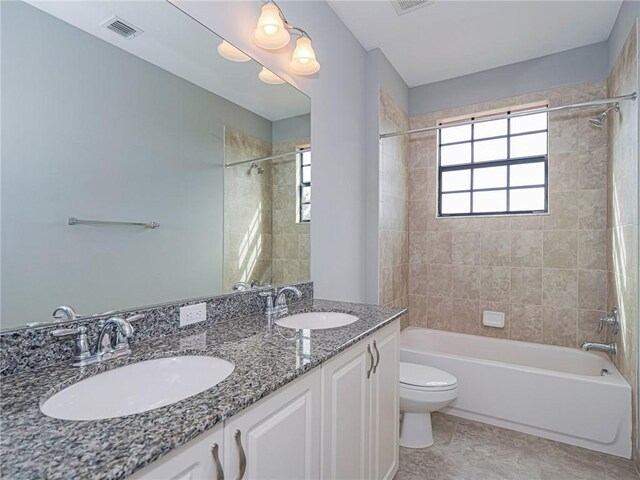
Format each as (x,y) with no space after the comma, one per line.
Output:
(592,289)
(526,285)
(560,288)
(439,313)
(123,445)
(525,322)
(559,326)
(496,248)
(495,284)
(466,248)
(560,249)
(465,316)
(526,248)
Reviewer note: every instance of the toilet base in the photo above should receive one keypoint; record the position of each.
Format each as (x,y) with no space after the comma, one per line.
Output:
(415,431)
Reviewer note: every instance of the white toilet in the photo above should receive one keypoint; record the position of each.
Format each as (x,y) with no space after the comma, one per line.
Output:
(423,390)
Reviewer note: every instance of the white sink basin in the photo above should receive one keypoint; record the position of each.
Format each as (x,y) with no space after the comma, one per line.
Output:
(317,320)
(137,388)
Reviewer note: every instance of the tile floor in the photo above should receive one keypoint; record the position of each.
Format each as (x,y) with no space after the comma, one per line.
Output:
(467,450)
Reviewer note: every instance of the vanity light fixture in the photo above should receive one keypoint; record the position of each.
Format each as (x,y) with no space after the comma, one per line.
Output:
(228,51)
(267,76)
(273,32)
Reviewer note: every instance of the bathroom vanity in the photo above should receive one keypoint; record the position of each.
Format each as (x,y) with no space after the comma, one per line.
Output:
(319,403)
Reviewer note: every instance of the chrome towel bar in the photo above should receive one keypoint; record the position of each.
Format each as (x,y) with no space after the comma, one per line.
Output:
(77,221)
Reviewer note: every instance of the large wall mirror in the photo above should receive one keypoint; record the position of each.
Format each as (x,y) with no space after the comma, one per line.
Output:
(139,165)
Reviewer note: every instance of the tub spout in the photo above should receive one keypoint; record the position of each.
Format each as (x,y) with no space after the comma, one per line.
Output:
(603,347)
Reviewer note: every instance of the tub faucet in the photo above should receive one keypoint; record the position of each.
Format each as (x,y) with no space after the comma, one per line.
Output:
(603,347)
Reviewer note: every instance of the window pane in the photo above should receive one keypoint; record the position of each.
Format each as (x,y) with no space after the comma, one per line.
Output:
(526,199)
(306,158)
(491,177)
(306,195)
(529,123)
(529,145)
(306,174)
(305,214)
(493,128)
(455,203)
(455,154)
(455,134)
(456,180)
(493,201)
(527,174)
(487,150)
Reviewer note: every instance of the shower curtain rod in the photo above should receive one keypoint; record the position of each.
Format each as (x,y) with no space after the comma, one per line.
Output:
(270,157)
(604,101)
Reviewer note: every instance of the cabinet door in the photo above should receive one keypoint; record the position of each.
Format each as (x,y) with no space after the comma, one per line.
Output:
(385,403)
(193,461)
(278,436)
(345,415)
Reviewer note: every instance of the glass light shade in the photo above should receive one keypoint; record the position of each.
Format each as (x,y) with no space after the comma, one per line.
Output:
(270,33)
(267,76)
(304,60)
(228,51)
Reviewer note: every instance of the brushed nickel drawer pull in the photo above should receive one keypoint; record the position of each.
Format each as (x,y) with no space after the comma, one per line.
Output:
(375,347)
(372,361)
(216,460)
(242,459)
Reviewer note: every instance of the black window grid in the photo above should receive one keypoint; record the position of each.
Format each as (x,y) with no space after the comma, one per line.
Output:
(508,162)
(301,185)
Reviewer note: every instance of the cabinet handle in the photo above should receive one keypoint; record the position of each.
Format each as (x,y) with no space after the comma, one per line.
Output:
(242,459)
(372,362)
(375,347)
(216,460)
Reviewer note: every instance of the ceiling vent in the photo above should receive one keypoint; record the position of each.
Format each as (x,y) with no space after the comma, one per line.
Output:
(121,27)
(407,6)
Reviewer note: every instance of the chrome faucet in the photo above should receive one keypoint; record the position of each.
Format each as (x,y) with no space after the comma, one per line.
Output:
(243,286)
(612,321)
(602,347)
(65,311)
(119,331)
(277,300)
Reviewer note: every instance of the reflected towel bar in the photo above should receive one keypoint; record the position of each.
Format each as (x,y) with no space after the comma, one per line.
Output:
(77,221)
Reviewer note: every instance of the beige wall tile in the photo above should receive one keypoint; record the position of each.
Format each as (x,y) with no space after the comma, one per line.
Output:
(593,209)
(418,274)
(466,282)
(465,316)
(439,281)
(526,322)
(418,310)
(592,289)
(592,249)
(417,247)
(588,326)
(560,288)
(439,247)
(526,285)
(439,312)
(495,284)
(563,211)
(562,172)
(466,248)
(526,248)
(559,326)
(560,249)
(496,248)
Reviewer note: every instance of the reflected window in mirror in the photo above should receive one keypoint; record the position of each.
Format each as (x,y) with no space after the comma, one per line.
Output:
(303,159)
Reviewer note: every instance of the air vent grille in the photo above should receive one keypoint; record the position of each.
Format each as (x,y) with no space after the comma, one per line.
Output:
(406,6)
(121,27)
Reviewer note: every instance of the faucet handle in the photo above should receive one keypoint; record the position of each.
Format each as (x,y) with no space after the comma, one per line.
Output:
(81,349)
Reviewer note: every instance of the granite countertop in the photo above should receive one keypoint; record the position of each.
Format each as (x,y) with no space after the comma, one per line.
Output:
(34,446)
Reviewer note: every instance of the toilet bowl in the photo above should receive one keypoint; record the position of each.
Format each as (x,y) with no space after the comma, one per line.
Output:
(423,390)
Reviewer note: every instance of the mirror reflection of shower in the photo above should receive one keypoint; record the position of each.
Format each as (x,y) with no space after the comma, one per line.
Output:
(600,119)
(258,169)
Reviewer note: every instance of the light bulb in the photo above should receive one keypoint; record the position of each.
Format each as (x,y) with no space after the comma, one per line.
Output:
(228,51)
(267,76)
(270,33)
(303,61)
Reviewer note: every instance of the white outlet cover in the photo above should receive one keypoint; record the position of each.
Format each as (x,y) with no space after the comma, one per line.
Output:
(193,314)
(493,319)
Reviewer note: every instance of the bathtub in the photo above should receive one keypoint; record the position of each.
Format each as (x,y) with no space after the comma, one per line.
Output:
(553,392)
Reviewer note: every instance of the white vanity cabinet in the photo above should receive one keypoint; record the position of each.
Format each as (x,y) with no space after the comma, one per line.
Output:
(338,421)
(278,437)
(360,411)
(193,461)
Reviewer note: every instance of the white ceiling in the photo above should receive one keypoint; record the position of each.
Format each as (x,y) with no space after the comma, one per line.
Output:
(450,38)
(177,43)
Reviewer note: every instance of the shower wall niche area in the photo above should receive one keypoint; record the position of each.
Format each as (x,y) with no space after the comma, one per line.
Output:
(267,205)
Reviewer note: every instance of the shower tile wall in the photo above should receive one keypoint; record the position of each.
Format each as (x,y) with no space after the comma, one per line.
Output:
(623,211)
(394,220)
(247,211)
(291,240)
(547,273)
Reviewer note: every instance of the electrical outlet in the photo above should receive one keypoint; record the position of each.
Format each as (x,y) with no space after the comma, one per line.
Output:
(193,314)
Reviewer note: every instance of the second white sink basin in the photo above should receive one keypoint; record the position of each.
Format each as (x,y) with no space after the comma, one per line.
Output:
(137,388)
(317,320)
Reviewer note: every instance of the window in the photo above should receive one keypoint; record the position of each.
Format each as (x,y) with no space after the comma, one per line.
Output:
(495,167)
(304,184)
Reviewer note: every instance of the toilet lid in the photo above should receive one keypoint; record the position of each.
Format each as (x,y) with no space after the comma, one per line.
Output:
(425,376)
